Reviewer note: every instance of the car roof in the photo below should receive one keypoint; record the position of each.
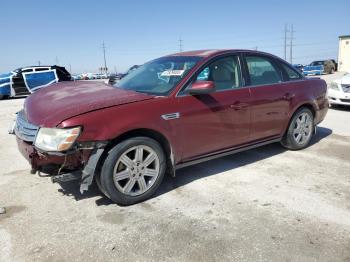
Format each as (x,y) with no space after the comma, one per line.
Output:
(211,52)
(39,66)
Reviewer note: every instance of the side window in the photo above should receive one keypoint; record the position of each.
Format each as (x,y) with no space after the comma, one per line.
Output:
(224,72)
(262,71)
(27,70)
(41,69)
(204,75)
(292,75)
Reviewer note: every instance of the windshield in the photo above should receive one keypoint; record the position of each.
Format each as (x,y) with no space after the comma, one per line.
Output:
(317,63)
(159,76)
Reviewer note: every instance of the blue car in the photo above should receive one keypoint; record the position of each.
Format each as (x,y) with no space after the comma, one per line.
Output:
(26,80)
(319,68)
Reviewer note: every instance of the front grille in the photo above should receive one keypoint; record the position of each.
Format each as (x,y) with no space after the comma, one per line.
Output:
(345,100)
(23,129)
(346,88)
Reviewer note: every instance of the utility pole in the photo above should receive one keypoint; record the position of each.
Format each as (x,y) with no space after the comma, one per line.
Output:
(39,63)
(180,44)
(285,40)
(57,60)
(291,43)
(104,56)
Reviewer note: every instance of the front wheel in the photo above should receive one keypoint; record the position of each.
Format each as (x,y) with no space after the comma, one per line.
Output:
(133,170)
(300,130)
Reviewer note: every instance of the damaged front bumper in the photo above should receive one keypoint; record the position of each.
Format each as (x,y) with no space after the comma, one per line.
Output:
(78,163)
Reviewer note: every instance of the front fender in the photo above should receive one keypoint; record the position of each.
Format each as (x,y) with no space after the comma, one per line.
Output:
(110,123)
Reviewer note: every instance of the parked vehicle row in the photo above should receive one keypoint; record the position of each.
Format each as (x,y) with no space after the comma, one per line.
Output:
(90,76)
(114,78)
(26,80)
(169,113)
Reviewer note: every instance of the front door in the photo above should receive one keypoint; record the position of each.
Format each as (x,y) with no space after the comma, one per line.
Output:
(216,121)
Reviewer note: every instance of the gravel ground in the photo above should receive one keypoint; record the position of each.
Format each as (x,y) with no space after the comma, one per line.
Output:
(265,204)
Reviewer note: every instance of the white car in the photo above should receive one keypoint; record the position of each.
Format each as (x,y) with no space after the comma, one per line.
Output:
(339,91)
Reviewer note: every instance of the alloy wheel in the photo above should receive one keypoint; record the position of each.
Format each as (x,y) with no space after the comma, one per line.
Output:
(302,128)
(136,170)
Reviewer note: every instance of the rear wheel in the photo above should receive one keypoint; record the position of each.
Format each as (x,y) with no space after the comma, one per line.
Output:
(300,130)
(133,170)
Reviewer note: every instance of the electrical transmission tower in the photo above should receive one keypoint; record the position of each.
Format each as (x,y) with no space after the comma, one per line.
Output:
(105,69)
(291,43)
(285,40)
(180,44)
(290,38)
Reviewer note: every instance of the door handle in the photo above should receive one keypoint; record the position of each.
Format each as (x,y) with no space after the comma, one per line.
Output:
(239,106)
(288,97)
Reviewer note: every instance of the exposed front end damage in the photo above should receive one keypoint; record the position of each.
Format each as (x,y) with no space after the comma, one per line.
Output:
(77,163)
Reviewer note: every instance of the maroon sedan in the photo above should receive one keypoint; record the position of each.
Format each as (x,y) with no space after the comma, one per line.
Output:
(169,113)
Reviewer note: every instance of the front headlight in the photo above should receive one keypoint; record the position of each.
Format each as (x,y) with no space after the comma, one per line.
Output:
(56,139)
(333,86)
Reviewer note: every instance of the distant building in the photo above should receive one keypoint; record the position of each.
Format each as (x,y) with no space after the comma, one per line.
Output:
(344,53)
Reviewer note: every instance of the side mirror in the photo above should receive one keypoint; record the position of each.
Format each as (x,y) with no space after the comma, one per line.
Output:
(202,87)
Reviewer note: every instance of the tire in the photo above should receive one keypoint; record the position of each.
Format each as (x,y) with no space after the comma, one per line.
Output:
(99,185)
(299,132)
(133,170)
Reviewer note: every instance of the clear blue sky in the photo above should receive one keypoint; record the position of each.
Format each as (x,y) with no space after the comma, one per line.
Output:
(137,31)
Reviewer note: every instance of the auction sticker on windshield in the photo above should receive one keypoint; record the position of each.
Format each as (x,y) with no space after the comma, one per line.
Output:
(172,73)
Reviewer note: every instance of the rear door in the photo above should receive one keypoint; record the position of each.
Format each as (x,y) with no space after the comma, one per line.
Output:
(270,100)
(216,121)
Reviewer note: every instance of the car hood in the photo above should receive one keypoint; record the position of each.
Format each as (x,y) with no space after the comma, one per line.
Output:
(51,105)
(345,80)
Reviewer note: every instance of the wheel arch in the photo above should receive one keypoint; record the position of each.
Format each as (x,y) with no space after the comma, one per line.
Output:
(157,136)
(309,106)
